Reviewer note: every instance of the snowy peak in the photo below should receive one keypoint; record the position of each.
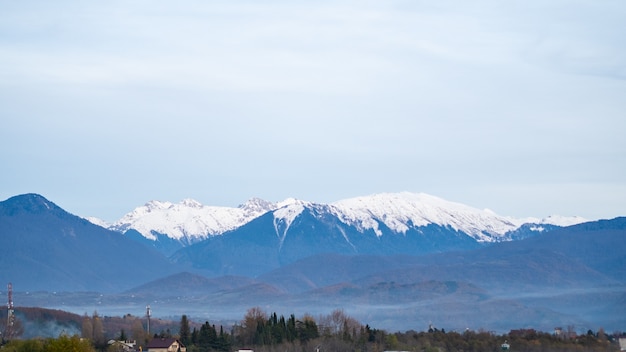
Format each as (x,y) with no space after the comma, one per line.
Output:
(288,210)
(190,203)
(155,205)
(402,211)
(188,220)
(257,206)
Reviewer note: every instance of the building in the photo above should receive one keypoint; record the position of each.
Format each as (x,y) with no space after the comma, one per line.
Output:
(161,344)
(622,343)
(126,346)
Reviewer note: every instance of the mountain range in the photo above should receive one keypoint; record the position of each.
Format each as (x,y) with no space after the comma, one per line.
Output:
(171,226)
(391,260)
(269,235)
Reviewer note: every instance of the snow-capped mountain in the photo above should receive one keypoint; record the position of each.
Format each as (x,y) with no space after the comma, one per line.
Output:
(401,211)
(190,222)
(381,224)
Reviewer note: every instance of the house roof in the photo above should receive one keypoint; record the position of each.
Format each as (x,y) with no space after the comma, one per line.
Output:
(162,342)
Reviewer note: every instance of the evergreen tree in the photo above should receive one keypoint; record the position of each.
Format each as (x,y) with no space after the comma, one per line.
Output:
(184,333)
(307,329)
(222,341)
(194,336)
(213,339)
(291,328)
(207,338)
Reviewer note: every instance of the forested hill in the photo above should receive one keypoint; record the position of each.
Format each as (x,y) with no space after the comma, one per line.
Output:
(35,322)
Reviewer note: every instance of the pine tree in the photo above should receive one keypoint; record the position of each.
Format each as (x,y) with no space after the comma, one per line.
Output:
(185,333)
(291,328)
(122,336)
(207,338)
(195,336)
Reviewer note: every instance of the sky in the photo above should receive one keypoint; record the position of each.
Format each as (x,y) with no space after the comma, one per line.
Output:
(516,106)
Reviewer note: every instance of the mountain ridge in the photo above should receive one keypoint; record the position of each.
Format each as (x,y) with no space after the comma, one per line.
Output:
(62,251)
(190,222)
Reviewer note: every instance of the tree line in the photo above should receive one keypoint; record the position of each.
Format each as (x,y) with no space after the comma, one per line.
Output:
(263,332)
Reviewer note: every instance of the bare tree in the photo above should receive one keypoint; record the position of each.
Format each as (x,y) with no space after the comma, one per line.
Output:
(254,316)
(87,328)
(98,330)
(339,323)
(138,333)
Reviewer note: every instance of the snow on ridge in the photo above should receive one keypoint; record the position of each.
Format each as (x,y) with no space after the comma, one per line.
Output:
(285,215)
(563,220)
(97,221)
(188,219)
(191,203)
(557,220)
(193,221)
(256,206)
(398,211)
(291,201)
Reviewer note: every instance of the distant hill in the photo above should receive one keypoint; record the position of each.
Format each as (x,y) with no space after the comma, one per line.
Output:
(46,248)
(32,322)
(601,245)
(192,284)
(530,283)
(584,255)
(36,322)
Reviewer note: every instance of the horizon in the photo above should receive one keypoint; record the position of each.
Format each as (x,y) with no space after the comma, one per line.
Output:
(92,218)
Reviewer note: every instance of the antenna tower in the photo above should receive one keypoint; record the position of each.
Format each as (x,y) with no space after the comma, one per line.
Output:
(8,333)
(148,314)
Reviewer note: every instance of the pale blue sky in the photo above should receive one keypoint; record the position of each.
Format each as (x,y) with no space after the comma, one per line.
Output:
(514,106)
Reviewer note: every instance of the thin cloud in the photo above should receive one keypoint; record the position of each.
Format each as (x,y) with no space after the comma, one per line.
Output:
(317,101)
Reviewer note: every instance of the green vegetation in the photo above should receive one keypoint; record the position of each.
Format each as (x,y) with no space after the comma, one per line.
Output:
(60,344)
(339,332)
(265,332)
